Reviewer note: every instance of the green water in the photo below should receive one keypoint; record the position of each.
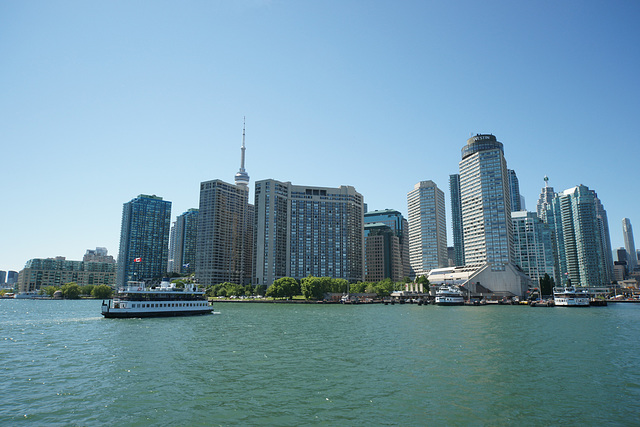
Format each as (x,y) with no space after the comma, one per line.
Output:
(277,364)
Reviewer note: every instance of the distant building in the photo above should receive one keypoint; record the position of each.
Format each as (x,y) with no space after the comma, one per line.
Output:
(427,228)
(39,273)
(544,201)
(451,254)
(98,255)
(400,227)
(532,245)
(12,277)
(182,246)
(3,277)
(629,244)
(456,219)
(144,239)
(307,230)
(514,190)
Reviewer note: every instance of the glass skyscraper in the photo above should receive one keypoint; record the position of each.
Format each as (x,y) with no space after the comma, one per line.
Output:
(629,244)
(144,239)
(456,219)
(532,245)
(582,240)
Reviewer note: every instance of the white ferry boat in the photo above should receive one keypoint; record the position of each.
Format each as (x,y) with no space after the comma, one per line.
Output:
(449,295)
(570,297)
(166,300)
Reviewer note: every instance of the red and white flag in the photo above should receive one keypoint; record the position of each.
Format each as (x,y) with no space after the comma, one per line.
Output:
(137,260)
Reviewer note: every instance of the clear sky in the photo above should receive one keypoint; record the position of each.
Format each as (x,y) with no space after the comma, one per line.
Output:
(104,100)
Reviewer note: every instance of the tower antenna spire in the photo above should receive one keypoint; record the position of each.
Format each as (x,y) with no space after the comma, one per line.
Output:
(242,177)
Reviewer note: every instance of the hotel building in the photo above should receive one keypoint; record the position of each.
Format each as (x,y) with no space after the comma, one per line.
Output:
(307,230)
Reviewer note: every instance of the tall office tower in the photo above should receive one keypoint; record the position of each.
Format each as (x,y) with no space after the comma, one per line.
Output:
(185,231)
(486,203)
(382,253)
(144,239)
(400,227)
(224,236)
(627,233)
(514,190)
(427,228)
(3,277)
(456,219)
(578,219)
(532,245)
(546,196)
(304,230)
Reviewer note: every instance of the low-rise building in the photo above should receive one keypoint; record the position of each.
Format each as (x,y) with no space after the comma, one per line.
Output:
(39,273)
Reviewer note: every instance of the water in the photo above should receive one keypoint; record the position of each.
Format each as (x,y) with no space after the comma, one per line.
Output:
(289,365)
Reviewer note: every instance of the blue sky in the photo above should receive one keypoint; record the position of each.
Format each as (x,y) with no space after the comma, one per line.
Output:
(102,101)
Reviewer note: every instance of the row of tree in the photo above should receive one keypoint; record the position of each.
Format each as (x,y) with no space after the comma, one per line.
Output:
(74,291)
(313,288)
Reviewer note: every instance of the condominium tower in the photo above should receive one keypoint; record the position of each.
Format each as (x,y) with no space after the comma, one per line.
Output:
(225,233)
(427,228)
(485,203)
(144,239)
(532,245)
(307,230)
(582,240)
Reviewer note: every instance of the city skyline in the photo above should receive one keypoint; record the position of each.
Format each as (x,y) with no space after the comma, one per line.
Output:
(92,117)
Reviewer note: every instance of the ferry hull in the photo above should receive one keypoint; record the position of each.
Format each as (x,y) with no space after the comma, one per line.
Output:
(112,314)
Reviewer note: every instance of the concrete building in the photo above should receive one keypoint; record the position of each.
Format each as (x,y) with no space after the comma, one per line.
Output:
(532,245)
(307,230)
(427,228)
(456,219)
(581,233)
(629,244)
(98,255)
(144,239)
(400,227)
(39,273)
(486,203)
(183,243)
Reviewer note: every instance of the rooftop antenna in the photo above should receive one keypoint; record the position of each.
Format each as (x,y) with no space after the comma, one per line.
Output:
(546,181)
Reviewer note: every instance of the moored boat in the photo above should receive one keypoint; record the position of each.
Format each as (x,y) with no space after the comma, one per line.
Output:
(449,295)
(135,300)
(570,296)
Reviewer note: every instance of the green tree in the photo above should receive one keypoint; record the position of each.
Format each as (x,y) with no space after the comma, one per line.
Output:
(102,291)
(86,289)
(358,288)
(546,285)
(260,290)
(285,287)
(71,290)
